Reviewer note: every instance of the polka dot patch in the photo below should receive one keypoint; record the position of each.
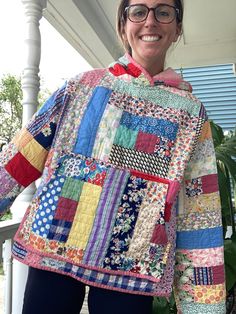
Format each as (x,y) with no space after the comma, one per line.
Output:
(47,206)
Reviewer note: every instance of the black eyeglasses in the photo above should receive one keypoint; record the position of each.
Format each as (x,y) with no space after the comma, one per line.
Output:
(164,13)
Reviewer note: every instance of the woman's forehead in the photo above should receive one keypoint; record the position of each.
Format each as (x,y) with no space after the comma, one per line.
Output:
(152,3)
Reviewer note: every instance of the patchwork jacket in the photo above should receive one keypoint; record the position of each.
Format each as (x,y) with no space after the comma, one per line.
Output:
(128,197)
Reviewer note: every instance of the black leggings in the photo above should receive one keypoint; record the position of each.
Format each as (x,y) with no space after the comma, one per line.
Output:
(51,293)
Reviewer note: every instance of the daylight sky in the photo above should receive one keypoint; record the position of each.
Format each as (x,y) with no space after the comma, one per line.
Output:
(55,66)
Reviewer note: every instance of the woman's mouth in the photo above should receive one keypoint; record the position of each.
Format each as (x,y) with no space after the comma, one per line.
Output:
(150,38)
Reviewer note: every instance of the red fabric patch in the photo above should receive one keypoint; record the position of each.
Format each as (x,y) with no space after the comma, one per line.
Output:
(210,183)
(159,235)
(168,207)
(133,70)
(66,209)
(119,69)
(218,274)
(146,142)
(21,170)
(148,177)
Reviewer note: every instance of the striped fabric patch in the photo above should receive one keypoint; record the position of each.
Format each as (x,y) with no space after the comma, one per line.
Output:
(110,198)
(209,275)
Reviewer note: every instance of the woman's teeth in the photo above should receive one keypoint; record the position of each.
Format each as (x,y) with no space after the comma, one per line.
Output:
(150,38)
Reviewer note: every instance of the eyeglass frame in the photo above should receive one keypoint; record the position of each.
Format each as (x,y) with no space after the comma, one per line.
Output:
(177,11)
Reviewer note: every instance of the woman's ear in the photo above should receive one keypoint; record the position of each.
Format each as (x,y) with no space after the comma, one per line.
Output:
(124,36)
(178,31)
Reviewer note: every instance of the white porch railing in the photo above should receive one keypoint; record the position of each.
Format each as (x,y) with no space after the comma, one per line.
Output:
(7,231)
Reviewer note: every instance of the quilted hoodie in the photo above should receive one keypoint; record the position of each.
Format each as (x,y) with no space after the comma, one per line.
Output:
(128,198)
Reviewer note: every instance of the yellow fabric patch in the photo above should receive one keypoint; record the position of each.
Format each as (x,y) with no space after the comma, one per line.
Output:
(84,217)
(22,138)
(209,294)
(204,202)
(206,132)
(35,154)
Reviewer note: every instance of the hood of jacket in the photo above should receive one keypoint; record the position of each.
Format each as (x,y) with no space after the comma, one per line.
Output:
(130,70)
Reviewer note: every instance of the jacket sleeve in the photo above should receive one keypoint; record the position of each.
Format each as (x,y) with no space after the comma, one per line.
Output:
(199,273)
(22,161)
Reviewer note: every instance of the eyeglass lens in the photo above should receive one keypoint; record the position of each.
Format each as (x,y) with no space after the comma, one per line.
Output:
(163,13)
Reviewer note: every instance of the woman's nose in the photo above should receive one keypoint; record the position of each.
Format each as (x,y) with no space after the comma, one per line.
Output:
(151,18)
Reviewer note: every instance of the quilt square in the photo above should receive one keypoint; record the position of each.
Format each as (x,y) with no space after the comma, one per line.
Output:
(59,230)
(194,187)
(159,235)
(164,147)
(72,189)
(131,159)
(35,154)
(87,170)
(146,142)
(66,209)
(45,137)
(213,275)
(125,137)
(210,183)
(20,169)
(22,138)
(159,127)
(49,201)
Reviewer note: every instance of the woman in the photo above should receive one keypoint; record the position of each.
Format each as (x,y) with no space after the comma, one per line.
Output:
(127,163)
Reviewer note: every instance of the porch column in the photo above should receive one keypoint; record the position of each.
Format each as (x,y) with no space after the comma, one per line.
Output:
(30,88)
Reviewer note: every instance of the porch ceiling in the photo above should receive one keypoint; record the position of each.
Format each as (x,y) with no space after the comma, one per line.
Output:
(209,34)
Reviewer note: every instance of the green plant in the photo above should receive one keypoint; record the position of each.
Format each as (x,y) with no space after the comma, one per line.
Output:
(225,147)
(163,306)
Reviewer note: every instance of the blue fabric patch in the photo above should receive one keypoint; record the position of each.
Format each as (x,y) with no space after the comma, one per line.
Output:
(45,137)
(128,211)
(196,308)
(91,120)
(200,239)
(5,203)
(59,230)
(47,206)
(51,101)
(150,125)
(19,251)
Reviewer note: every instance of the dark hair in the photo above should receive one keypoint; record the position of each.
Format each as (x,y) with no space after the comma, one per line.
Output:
(122,18)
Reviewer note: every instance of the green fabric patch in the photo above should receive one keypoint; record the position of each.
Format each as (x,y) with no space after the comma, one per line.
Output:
(125,137)
(197,308)
(158,96)
(72,189)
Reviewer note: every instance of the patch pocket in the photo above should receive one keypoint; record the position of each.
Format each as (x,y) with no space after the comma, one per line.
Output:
(150,220)
(148,244)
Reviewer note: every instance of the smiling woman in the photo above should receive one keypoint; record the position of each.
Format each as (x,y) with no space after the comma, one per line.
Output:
(148,33)
(128,202)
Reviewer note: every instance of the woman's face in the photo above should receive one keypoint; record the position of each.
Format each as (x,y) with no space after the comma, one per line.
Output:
(150,40)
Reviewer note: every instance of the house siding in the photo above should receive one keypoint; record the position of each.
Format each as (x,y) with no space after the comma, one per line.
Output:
(215,86)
